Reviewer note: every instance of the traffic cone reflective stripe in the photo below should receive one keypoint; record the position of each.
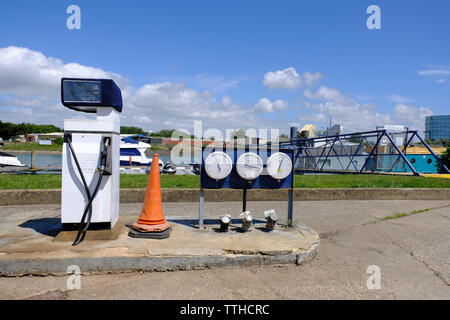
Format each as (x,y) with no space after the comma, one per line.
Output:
(152,218)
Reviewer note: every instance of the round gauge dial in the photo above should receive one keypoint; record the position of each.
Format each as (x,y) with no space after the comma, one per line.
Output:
(279,165)
(218,165)
(249,166)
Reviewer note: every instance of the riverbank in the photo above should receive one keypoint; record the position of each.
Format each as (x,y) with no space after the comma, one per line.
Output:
(16,152)
(42,181)
(27,147)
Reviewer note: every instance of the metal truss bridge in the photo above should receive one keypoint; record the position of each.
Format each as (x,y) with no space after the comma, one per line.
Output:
(364,153)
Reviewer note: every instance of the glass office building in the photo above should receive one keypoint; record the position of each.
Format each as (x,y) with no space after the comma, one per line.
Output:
(437,127)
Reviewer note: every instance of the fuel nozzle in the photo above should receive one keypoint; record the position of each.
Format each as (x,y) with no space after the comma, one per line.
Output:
(225,220)
(247,220)
(272,218)
(105,157)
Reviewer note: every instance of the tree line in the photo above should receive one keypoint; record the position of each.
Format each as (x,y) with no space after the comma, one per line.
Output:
(10,130)
(164,133)
(439,142)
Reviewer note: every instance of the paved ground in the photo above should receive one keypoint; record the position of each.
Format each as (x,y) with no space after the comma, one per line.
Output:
(412,252)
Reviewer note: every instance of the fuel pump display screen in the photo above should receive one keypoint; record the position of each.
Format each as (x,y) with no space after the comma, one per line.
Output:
(82,91)
(87,95)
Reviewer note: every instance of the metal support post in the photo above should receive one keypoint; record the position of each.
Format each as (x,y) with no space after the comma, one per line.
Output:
(201,211)
(402,155)
(290,206)
(432,152)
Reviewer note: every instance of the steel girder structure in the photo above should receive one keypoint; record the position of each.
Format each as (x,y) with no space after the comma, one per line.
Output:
(385,152)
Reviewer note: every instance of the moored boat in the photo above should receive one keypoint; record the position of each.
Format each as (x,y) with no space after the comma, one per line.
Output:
(132,154)
(8,160)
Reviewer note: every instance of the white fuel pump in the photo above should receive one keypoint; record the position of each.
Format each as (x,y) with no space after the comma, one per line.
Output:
(91,156)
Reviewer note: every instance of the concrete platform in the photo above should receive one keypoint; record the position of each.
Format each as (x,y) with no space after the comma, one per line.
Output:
(412,252)
(30,248)
(110,234)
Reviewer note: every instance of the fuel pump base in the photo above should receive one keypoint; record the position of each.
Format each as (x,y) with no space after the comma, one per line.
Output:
(102,232)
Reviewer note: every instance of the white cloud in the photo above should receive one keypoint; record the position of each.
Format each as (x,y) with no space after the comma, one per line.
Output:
(438,72)
(294,124)
(182,105)
(313,118)
(412,116)
(289,79)
(324,93)
(30,92)
(283,79)
(27,72)
(215,84)
(267,106)
(435,71)
(345,111)
(399,99)
(30,85)
(356,116)
(311,79)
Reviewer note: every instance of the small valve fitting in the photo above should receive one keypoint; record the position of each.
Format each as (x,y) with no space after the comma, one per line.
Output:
(272,218)
(225,220)
(247,220)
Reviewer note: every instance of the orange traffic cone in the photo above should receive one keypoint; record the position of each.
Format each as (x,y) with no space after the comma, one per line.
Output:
(151,223)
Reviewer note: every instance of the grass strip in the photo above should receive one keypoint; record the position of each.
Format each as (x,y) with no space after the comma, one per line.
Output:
(23,146)
(402,215)
(42,181)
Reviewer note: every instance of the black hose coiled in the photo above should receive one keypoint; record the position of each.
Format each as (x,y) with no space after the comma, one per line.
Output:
(88,209)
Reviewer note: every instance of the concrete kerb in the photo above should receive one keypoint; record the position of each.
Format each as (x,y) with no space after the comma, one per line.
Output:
(53,196)
(102,265)
(93,262)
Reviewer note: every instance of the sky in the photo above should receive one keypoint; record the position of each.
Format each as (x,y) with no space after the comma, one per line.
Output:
(231,64)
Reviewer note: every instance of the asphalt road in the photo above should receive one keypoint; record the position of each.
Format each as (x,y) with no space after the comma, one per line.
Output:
(412,253)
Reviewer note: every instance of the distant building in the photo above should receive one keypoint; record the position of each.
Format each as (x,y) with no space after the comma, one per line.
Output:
(39,137)
(308,131)
(397,134)
(437,127)
(393,128)
(335,130)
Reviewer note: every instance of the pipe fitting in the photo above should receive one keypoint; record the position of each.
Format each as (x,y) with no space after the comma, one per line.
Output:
(225,220)
(272,218)
(247,220)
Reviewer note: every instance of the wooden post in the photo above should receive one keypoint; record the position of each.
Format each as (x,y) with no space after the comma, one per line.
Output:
(33,159)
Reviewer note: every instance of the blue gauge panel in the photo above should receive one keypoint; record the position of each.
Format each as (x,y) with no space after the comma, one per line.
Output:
(234,181)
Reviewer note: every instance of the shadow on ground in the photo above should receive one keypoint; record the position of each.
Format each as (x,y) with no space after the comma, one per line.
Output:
(46,226)
(193,223)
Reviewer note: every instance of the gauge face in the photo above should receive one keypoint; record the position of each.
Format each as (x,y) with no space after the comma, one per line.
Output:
(249,166)
(218,165)
(279,165)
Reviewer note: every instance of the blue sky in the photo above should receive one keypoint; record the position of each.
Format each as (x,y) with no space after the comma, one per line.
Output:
(173,56)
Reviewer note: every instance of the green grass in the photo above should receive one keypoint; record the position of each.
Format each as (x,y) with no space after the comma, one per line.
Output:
(186,181)
(402,215)
(22,146)
(17,182)
(368,181)
(167,181)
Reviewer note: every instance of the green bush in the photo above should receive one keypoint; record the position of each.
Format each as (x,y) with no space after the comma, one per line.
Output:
(59,141)
(445,158)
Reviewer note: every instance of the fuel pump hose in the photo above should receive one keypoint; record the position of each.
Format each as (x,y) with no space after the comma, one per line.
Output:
(88,209)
